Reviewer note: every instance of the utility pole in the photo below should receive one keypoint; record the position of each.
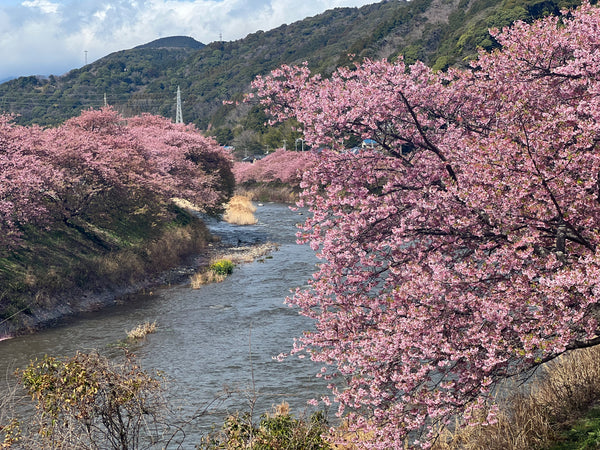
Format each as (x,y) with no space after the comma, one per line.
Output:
(178,114)
(105,102)
(85,51)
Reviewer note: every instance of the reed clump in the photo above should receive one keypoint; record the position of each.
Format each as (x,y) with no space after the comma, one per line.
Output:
(536,417)
(217,271)
(240,211)
(142,330)
(201,278)
(221,267)
(247,254)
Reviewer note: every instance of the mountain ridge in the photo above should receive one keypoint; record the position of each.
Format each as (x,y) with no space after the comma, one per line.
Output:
(173,42)
(145,79)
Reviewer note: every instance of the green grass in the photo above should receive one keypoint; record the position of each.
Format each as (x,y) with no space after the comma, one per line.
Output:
(222,267)
(583,434)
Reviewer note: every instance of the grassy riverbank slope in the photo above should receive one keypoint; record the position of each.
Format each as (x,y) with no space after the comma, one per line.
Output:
(79,264)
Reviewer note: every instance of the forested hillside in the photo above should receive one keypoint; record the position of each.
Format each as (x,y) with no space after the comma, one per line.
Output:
(145,78)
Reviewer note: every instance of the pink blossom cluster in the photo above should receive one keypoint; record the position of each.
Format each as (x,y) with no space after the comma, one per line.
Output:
(49,174)
(466,251)
(280,166)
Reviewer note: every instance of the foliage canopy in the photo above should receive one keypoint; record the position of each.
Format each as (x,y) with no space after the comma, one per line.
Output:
(464,250)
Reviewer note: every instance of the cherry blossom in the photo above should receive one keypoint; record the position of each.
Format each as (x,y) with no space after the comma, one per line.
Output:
(464,250)
(281,166)
(99,161)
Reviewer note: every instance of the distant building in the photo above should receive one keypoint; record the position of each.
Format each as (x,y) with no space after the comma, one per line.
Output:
(253,158)
(369,143)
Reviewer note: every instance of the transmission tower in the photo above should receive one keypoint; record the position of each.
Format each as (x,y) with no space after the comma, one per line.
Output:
(178,114)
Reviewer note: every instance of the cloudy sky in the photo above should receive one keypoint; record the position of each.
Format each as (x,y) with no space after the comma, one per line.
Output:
(42,37)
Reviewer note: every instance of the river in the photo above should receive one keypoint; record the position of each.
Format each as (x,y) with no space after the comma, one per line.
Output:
(221,336)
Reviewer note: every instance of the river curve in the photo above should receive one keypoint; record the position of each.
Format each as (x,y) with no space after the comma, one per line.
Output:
(223,336)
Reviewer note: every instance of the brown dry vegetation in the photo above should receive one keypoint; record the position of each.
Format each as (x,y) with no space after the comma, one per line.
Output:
(240,211)
(142,330)
(240,255)
(205,277)
(263,192)
(164,253)
(236,255)
(535,417)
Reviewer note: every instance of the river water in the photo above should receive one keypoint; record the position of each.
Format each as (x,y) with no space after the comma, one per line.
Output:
(220,337)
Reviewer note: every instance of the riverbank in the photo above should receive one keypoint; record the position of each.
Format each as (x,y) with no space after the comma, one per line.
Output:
(208,340)
(167,260)
(269,192)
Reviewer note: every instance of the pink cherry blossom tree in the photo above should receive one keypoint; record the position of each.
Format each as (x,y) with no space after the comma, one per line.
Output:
(100,152)
(463,251)
(24,179)
(186,163)
(281,166)
(99,161)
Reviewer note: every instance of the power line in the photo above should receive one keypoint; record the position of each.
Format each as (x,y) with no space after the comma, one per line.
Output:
(93,100)
(87,97)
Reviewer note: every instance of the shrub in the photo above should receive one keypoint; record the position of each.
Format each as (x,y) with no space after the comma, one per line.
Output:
(222,267)
(279,430)
(89,402)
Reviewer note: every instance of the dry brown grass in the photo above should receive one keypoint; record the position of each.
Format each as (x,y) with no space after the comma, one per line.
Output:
(341,438)
(531,418)
(169,250)
(186,204)
(178,243)
(236,255)
(269,193)
(122,267)
(142,330)
(209,276)
(240,211)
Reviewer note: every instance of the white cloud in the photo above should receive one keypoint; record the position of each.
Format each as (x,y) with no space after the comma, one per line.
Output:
(51,36)
(45,6)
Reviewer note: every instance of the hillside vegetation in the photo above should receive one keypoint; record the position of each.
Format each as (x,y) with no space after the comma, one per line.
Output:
(145,79)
